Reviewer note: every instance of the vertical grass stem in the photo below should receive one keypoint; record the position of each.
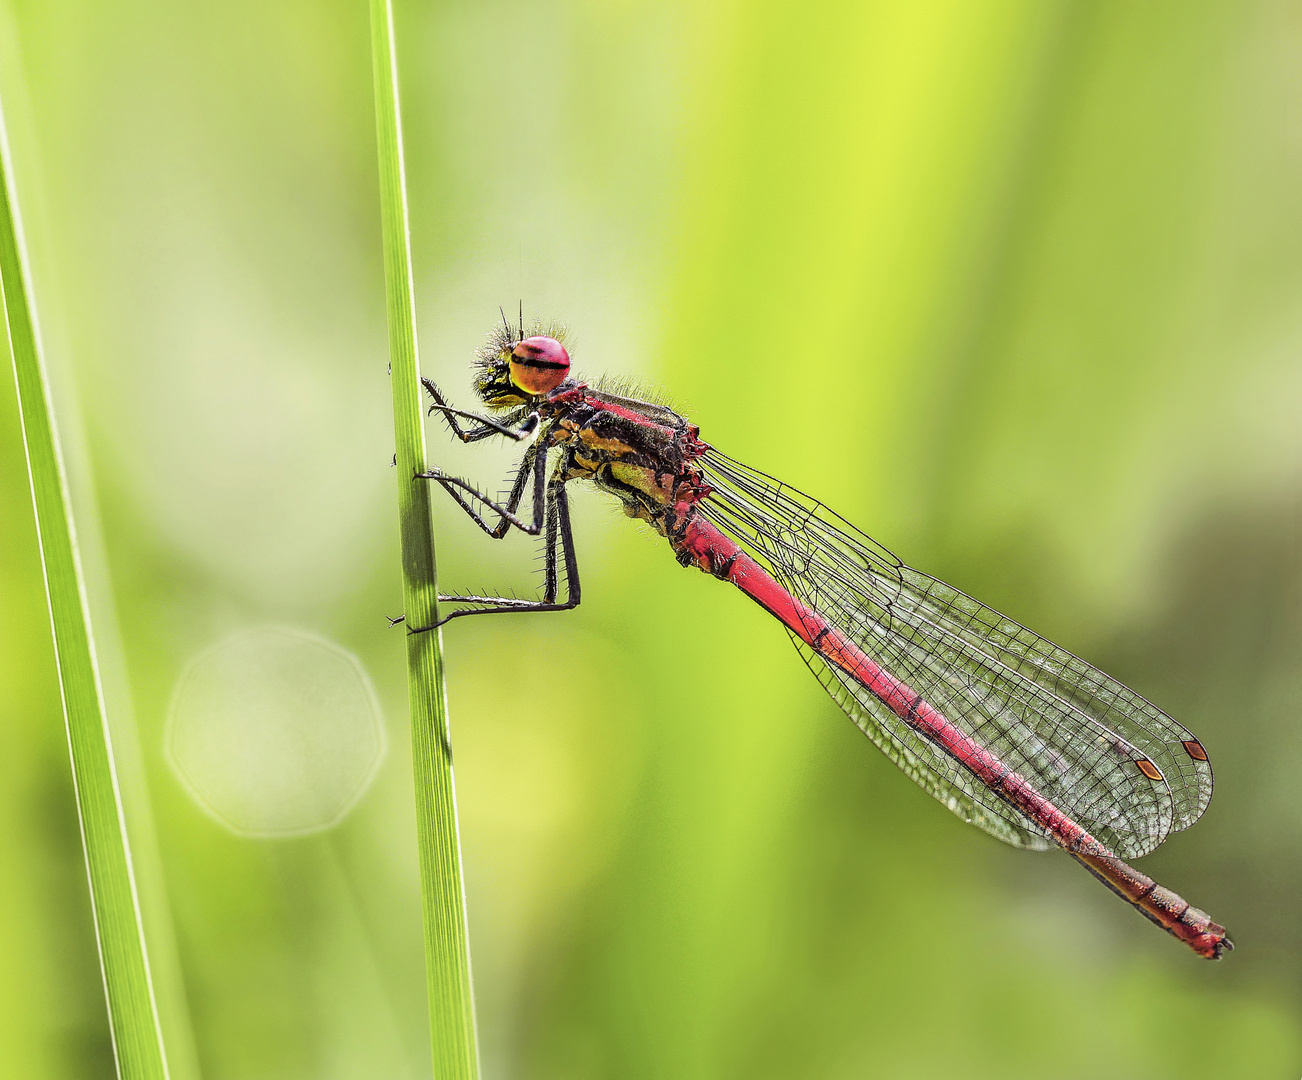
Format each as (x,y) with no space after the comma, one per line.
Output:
(447,951)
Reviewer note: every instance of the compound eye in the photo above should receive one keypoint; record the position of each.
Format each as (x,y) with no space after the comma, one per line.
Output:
(539,365)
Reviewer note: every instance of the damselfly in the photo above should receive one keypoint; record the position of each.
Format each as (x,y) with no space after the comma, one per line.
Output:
(1010,732)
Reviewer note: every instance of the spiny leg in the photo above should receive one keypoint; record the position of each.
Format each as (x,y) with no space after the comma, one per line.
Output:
(556,497)
(534,460)
(558,531)
(488,425)
(550,584)
(523,475)
(532,466)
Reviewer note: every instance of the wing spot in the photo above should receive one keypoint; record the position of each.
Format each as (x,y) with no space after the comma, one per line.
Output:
(1149,769)
(1194,749)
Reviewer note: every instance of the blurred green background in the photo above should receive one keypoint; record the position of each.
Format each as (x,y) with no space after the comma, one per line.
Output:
(1014,286)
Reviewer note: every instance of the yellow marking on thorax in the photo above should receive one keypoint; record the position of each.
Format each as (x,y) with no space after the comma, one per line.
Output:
(659,490)
(616,448)
(588,465)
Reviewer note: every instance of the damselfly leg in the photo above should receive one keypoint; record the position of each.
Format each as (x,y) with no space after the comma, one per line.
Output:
(534,463)
(551,517)
(488,426)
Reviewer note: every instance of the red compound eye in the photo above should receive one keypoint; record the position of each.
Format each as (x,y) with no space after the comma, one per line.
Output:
(539,365)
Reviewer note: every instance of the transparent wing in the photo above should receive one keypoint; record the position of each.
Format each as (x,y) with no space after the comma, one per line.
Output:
(1113,762)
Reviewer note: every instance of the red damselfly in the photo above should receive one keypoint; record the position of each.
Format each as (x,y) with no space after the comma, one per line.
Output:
(1010,732)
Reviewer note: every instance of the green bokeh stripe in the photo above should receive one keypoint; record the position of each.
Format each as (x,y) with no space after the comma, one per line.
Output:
(133,1015)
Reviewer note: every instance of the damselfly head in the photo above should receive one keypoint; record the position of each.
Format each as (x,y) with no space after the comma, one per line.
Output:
(539,364)
(514,368)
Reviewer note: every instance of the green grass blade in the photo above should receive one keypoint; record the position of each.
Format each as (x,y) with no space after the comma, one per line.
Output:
(133,1015)
(447,946)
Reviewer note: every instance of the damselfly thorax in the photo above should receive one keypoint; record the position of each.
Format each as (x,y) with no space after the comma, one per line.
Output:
(640,453)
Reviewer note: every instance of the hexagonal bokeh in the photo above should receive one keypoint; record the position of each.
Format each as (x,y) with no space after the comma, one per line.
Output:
(275,732)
